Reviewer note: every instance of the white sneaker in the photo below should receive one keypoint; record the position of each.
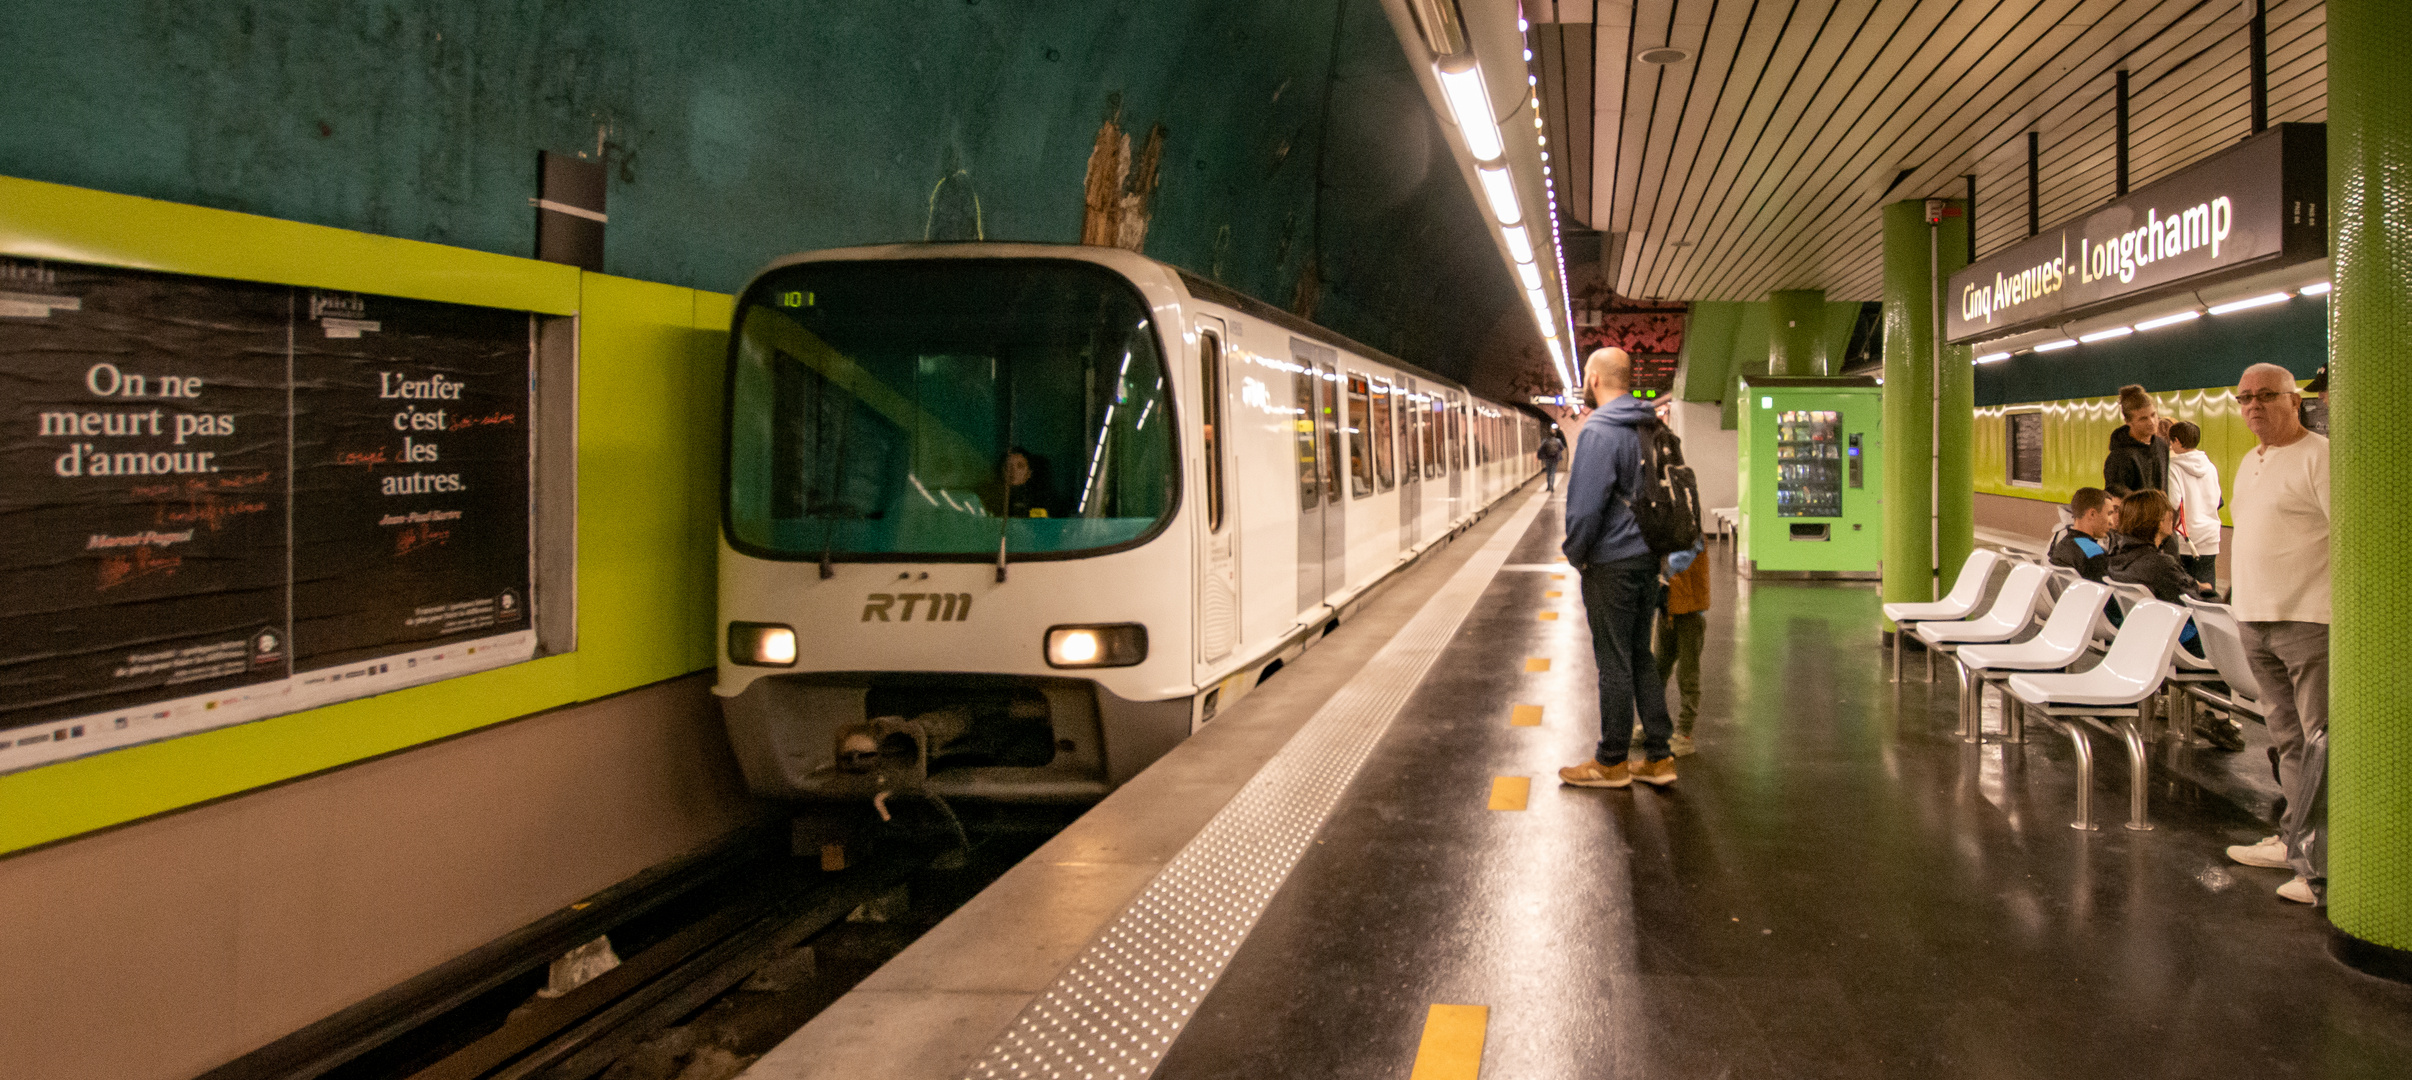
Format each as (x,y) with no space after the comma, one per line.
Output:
(2298,890)
(2269,852)
(1681,746)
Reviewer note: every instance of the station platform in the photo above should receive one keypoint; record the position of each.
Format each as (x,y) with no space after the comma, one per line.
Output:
(1369,869)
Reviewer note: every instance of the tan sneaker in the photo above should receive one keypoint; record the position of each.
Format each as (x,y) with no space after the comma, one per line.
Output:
(1659,773)
(1594,774)
(1682,746)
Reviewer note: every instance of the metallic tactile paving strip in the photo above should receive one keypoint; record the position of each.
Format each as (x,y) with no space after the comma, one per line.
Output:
(1116,1010)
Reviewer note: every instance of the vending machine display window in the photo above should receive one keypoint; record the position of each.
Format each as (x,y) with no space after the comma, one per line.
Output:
(1809,463)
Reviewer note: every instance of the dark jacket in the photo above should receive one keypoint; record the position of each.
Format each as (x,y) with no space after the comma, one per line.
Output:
(1552,449)
(2133,466)
(2082,553)
(1601,483)
(2139,563)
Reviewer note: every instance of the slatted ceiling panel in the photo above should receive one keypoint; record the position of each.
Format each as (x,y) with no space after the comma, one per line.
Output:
(1567,69)
(1772,149)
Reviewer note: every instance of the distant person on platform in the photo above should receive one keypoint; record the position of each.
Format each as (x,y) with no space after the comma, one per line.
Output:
(2314,410)
(1552,449)
(2085,547)
(2281,599)
(2139,452)
(2194,485)
(1620,578)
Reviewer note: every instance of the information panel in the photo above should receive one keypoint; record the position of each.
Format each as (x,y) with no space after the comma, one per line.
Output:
(225,500)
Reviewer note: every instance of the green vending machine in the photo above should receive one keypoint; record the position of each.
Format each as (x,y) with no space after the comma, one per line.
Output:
(1811,496)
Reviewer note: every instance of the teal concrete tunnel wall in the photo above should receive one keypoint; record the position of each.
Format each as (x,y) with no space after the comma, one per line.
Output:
(1296,136)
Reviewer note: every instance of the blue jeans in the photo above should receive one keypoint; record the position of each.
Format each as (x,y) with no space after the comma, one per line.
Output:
(1549,474)
(1621,600)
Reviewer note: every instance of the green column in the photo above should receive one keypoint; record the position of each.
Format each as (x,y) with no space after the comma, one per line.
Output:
(1796,332)
(2370,366)
(1915,255)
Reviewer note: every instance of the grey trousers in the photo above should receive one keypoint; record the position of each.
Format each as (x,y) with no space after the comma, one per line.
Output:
(2290,660)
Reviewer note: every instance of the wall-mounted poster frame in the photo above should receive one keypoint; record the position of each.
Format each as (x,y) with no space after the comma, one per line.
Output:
(377,559)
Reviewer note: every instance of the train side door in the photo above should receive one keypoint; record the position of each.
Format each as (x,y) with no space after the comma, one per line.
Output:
(1411,465)
(1334,471)
(1456,432)
(1218,530)
(1305,397)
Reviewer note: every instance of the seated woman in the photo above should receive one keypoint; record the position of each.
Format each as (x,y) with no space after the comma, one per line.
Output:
(2146,518)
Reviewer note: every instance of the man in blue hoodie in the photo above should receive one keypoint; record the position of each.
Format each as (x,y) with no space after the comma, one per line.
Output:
(1620,578)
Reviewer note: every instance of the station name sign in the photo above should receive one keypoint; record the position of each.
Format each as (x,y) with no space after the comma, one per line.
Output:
(2258,203)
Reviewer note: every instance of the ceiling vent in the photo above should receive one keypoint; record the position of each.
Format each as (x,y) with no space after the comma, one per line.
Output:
(1664,54)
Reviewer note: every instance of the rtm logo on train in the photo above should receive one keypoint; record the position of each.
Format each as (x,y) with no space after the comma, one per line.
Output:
(943,607)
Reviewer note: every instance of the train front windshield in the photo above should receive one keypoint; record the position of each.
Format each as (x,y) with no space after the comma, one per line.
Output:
(935,408)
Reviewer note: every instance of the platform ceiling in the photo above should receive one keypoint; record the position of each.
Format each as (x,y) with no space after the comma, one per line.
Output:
(1760,162)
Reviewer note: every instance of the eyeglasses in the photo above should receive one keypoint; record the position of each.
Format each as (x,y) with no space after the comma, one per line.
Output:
(2264,397)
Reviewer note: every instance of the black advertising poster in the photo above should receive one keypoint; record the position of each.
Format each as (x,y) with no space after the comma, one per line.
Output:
(217,493)
(410,477)
(144,505)
(2255,204)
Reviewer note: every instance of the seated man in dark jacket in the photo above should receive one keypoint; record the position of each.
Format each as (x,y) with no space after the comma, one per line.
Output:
(2085,547)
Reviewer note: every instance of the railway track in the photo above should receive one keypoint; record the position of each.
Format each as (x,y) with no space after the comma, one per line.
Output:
(721,956)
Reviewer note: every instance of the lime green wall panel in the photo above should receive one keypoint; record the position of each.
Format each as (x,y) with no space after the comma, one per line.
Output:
(2370,240)
(649,391)
(53,221)
(1796,333)
(2077,437)
(1704,369)
(649,432)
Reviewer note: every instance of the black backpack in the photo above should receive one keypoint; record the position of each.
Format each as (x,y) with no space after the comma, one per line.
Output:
(1666,500)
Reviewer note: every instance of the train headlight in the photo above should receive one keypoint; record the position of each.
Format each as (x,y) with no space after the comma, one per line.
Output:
(1112,645)
(762,644)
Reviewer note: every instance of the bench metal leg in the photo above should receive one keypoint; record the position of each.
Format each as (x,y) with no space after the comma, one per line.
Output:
(2085,773)
(2139,771)
(1898,630)
(2014,717)
(1972,702)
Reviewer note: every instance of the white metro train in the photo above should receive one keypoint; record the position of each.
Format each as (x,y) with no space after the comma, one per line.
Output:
(1009,521)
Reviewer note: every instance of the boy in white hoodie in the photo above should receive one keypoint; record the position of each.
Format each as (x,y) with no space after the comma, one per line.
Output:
(2194,486)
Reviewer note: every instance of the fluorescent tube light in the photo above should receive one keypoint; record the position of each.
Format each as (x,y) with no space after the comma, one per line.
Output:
(2106,335)
(2169,320)
(2319,289)
(2250,302)
(2052,346)
(1539,300)
(1530,273)
(1501,189)
(1470,103)
(1993,358)
(1520,245)
(1549,328)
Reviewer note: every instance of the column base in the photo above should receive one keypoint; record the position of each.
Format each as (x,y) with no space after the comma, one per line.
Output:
(2369,957)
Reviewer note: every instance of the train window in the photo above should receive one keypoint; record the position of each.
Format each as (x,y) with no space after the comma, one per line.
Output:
(881,420)
(1411,458)
(1210,410)
(1302,398)
(1385,424)
(1327,414)
(1360,436)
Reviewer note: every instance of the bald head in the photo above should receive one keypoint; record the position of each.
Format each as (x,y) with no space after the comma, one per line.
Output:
(1607,374)
(2267,399)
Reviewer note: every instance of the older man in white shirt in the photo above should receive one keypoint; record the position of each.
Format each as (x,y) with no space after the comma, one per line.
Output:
(2281,599)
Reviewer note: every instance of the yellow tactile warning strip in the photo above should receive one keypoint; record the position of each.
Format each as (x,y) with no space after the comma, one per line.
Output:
(1525,716)
(1536,663)
(1552,595)
(1510,792)
(1549,616)
(1452,1045)
(1557,577)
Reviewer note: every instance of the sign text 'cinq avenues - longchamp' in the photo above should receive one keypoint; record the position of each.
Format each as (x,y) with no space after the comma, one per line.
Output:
(2257,203)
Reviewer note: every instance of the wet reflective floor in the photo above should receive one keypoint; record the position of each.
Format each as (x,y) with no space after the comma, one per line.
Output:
(1836,886)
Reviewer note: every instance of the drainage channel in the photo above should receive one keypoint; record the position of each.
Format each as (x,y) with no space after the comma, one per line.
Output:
(719,958)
